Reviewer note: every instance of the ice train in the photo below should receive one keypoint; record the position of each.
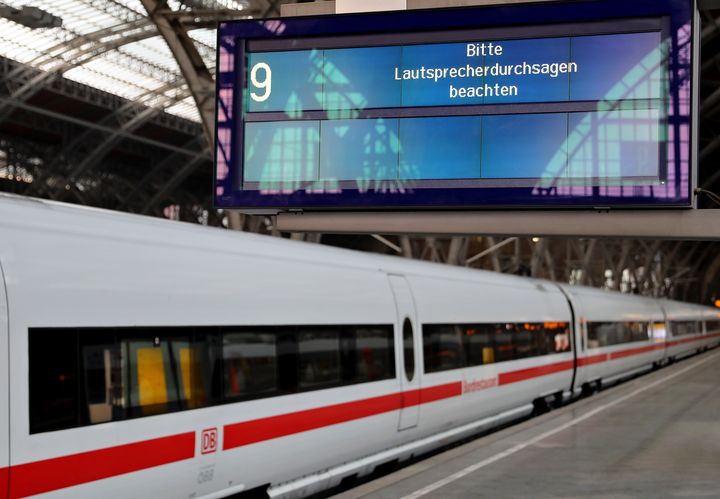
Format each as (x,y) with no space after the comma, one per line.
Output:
(145,358)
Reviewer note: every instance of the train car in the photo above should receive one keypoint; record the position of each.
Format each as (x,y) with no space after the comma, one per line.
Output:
(619,335)
(691,328)
(160,359)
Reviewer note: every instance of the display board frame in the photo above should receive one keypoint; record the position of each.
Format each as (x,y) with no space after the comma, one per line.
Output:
(234,37)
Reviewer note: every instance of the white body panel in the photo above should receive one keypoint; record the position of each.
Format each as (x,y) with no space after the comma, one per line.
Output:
(4,395)
(74,267)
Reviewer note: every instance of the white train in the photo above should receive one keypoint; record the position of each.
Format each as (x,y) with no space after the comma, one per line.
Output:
(143,358)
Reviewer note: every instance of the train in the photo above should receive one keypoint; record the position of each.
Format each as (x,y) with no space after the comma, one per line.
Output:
(149,358)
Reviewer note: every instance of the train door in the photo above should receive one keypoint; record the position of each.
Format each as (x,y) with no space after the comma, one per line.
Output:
(4,393)
(408,365)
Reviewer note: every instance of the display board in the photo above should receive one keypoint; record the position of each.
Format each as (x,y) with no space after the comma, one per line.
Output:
(582,104)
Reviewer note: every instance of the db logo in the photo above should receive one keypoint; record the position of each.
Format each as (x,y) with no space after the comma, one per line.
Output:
(209,441)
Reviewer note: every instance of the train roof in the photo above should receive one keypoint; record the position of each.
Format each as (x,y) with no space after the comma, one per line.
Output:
(23,215)
(20,214)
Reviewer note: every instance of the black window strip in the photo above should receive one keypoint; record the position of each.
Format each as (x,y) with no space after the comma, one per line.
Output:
(85,376)
(456,346)
(686,328)
(601,334)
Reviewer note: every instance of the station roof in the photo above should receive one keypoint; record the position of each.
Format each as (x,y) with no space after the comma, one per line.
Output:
(113,45)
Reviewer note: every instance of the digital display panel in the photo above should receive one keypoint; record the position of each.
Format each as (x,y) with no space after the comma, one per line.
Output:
(458,108)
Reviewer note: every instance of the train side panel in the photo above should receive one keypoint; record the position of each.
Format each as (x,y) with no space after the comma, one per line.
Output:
(617,333)
(496,376)
(4,395)
(97,282)
(686,328)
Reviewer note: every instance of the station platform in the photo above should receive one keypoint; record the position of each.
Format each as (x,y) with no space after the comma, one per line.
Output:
(655,436)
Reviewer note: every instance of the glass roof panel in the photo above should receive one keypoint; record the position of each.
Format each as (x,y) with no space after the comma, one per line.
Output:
(129,69)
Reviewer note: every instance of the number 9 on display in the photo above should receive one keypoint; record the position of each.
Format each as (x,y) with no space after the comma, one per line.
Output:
(263,83)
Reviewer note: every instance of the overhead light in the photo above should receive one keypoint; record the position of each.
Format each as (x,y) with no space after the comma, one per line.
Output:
(32,17)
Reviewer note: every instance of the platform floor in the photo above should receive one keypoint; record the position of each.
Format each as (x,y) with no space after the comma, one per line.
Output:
(657,436)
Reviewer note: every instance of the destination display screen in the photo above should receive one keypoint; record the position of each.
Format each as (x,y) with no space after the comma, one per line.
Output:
(478,114)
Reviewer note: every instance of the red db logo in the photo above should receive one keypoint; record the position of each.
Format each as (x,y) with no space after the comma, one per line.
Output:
(209,441)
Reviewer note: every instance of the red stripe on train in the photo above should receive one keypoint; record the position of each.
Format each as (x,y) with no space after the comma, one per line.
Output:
(690,340)
(592,359)
(58,473)
(533,372)
(4,472)
(259,430)
(440,392)
(636,351)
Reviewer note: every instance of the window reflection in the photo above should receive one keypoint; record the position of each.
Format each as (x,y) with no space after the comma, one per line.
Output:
(602,334)
(453,346)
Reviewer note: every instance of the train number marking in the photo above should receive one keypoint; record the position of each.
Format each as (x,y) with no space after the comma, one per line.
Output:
(209,441)
(206,475)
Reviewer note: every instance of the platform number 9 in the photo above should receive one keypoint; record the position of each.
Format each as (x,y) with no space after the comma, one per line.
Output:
(264,84)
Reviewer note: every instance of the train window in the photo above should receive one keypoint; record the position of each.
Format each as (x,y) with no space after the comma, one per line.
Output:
(639,331)
(712,326)
(526,339)
(452,346)
(554,338)
(408,350)
(102,363)
(685,328)
(443,347)
(159,371)
(202,368)
(658,330)
(319,357)
(478,343)
(370,350)
(53,379)
(93,375)
(503,339)
(601,334)
(250,363)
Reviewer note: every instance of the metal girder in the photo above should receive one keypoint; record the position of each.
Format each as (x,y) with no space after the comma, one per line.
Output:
(273,8)
(197,76)
(161,175)
(711,30)
(709,106)
(107,129)
(173,182)
(79,49)
(710,148)
(92,146)
(93,152)
(26,81)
